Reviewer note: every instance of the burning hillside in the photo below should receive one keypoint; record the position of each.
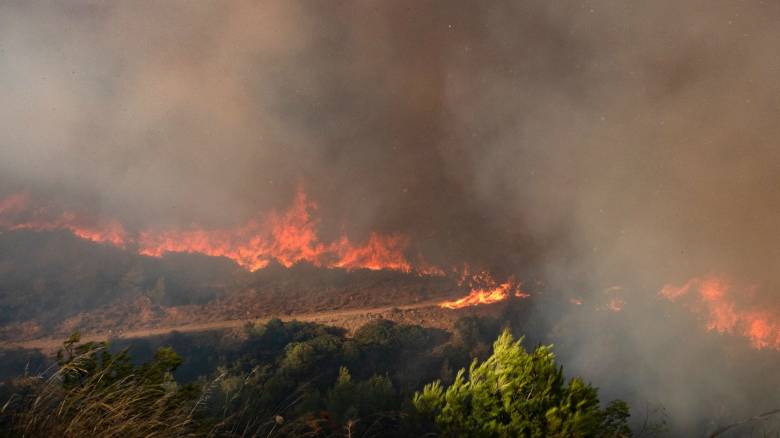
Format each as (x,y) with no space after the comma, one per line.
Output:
(291,237)
(70,283)
(287,238)
(277,248)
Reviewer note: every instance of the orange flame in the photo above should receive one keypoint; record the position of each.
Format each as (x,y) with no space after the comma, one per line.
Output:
(17,214)
(112,232)
(760,327)
(288,238)
(380,252)
(484,290)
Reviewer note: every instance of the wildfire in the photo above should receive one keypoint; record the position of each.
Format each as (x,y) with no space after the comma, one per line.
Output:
(484,290)
(288,238)
(713,295)
(16,213)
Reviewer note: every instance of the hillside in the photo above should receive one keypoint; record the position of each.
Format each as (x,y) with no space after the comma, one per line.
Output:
(53,284)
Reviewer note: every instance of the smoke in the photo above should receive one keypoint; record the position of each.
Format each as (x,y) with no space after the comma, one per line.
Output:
(590,144)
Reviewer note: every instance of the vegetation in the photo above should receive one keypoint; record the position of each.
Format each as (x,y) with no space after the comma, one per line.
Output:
(96,392)
(303,379)
(51,276)
(514,393)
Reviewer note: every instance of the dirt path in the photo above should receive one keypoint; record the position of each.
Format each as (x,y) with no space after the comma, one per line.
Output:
(53,343)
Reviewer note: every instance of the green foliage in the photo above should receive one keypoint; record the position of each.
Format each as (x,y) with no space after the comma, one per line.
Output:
(516,393)
(615,423)
(78,362)
(350,400)
(473,332)
(303,358)
(304,379)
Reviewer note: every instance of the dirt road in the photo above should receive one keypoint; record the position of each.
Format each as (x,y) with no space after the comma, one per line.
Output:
(327,317)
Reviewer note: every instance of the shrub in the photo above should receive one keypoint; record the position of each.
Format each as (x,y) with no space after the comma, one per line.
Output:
(516,393)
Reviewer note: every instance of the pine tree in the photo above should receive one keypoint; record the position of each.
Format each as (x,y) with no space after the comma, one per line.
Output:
(515,393)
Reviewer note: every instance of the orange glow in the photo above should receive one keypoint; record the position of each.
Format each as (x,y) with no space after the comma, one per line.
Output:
(13,204)
(16,213)
(288,238)
(380,252)
(423,268)
(616,304)
(713,297)
(111,232)
(484,290)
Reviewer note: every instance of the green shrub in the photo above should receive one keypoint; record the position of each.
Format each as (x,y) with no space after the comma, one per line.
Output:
(515,393)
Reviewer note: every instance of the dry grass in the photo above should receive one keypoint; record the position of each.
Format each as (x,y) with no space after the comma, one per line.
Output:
(126,407)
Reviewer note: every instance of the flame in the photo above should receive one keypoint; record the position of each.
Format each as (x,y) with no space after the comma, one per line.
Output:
(111,232)
(380,252)
(17,213)
(484,290)
(712,296)
(288,238)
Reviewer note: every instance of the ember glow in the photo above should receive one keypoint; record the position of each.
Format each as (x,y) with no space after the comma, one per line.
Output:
(715,298)
(288,238)
(484,290)
(616,304)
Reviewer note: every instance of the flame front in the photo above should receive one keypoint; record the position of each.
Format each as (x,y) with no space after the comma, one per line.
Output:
(16,213)
(484,290)
(288,238)
(712,295)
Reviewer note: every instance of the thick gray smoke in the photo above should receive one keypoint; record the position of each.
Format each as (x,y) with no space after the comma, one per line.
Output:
(595,144)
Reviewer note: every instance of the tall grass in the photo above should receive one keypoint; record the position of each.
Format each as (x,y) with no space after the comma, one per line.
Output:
(93,393)
(99,405)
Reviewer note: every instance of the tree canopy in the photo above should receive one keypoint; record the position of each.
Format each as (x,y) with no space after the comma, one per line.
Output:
(516,393)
